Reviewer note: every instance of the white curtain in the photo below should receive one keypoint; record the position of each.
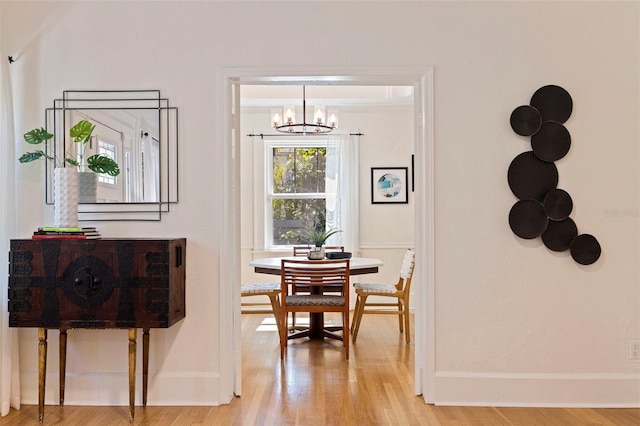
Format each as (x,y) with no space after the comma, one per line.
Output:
(9,365)
(342,179)
(343,212)
(151,152)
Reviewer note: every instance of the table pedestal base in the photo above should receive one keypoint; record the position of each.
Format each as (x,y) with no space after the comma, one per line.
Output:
(317,330)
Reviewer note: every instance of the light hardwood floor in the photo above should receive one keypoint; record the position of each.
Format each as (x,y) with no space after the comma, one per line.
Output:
(316,386)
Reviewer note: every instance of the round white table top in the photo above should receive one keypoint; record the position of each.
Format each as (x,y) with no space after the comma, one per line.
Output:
(268,264)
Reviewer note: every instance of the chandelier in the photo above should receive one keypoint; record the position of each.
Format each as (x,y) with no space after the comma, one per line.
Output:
(284,119)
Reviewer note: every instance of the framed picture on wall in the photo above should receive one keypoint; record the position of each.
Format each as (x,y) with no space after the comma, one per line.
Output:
(389,185)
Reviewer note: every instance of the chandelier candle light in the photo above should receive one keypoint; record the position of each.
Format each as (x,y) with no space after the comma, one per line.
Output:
(286,122)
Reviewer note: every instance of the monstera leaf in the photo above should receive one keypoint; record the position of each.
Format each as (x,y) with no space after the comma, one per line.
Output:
(32,156)
(37,136)
(81,132)
(103,164)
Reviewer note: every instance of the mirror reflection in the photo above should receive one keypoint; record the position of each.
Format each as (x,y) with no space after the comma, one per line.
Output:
(139,131)
(131,138)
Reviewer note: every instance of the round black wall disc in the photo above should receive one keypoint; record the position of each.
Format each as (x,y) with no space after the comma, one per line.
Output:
(553,102)
(585,249)
(530,177)
(527,219)
(557,204)
(560,235)
(525,120)
(551,142)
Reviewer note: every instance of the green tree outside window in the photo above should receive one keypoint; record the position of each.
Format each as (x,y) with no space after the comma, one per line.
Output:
(298,171)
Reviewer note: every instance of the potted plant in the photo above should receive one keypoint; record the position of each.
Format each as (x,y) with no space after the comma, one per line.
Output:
(65,176)
(318,238)
(80,133)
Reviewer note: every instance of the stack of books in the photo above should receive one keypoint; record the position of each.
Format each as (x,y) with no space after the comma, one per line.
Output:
(88,233)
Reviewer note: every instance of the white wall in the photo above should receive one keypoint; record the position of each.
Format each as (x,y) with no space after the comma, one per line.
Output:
(513,320)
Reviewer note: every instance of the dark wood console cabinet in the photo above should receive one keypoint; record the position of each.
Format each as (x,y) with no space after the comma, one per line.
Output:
(96,284)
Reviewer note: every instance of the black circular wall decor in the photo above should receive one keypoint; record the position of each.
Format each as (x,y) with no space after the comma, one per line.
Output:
(543,209)
(530,177)
(551,142)
(553,102)
(527,219)
(525,120)
(560,234)
(557,204)
(585,249)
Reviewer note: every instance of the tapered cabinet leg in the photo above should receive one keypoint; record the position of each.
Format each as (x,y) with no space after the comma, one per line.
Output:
(42,370)
(132,372)
(63,362)
(145,364)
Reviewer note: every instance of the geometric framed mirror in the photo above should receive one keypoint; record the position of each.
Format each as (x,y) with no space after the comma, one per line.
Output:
(136,128)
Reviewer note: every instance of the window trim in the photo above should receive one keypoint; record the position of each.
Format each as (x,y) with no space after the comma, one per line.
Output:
(262,213)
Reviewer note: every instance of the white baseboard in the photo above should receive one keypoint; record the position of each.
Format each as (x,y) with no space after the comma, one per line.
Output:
(185,388)
(538,390)
(452,388)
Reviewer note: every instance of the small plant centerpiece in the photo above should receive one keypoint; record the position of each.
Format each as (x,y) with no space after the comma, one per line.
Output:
(318,238)
(65,172)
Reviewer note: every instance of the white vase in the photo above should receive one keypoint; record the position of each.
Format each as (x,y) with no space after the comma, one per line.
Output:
(65,197)
(87,187)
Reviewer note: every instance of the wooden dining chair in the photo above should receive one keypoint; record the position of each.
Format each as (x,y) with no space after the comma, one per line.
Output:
(302,251)
(399,291)
(315,275)
(270,290)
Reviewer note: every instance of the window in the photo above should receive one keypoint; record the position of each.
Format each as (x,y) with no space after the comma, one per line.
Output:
(297,192)
(108,150)
(305,185)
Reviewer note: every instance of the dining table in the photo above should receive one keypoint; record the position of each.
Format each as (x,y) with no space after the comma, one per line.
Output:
(317,329)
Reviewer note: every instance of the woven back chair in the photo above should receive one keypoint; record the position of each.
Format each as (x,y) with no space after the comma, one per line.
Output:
(399,292)
(270,290)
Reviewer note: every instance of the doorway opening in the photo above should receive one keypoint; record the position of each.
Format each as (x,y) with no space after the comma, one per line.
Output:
(230,259)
